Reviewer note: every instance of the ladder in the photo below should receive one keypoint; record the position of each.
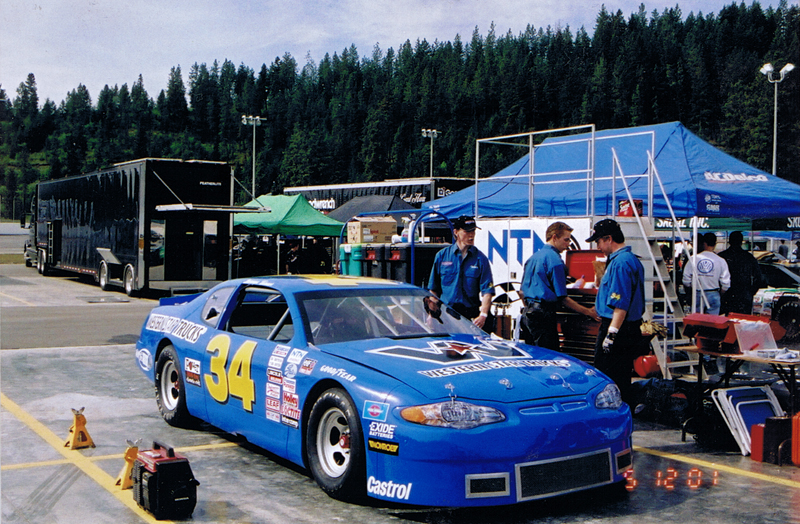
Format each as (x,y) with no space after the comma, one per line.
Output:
(640,235)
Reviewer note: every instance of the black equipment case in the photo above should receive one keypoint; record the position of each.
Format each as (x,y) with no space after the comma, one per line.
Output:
(163,483)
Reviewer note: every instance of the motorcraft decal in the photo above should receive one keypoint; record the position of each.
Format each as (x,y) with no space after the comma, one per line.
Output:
(191,367)
(177,327)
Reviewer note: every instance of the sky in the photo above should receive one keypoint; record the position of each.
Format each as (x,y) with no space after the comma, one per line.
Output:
(65,43)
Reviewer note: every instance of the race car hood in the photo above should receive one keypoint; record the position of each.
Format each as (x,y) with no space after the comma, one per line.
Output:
(473,368)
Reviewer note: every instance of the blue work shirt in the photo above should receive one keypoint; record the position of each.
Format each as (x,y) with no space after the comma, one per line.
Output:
(545,276)
(622,286)
(461,281)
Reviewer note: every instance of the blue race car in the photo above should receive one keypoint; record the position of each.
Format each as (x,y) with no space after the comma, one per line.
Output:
(378,390)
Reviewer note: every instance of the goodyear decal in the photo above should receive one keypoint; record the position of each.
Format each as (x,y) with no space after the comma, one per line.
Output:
(177,327)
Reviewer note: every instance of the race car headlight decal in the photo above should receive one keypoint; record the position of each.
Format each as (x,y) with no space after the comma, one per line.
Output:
(452,414)
(609,398)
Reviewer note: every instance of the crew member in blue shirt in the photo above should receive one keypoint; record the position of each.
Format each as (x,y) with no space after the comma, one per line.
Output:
(544,289)
(620,304)
(461,276)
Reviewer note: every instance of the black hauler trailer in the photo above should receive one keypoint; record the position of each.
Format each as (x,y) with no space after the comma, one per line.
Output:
(145,224)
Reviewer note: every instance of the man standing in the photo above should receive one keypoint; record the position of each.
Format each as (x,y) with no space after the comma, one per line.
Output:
(745,277)
(544,288)
(462,277)
(713,276)
(620,305)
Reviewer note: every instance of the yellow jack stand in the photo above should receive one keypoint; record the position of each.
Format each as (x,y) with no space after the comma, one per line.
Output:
(124,480)
(78,436)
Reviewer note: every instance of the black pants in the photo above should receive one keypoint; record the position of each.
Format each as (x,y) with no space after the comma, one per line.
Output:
(618,363)
(471,312)
(540,326)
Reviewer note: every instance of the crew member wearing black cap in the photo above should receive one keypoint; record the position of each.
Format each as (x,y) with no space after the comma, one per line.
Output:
(620,304)
(462,277)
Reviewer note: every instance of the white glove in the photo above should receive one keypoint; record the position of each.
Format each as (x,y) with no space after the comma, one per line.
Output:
(608,342)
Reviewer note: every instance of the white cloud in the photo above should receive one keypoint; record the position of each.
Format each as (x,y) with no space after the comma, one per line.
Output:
(99,42)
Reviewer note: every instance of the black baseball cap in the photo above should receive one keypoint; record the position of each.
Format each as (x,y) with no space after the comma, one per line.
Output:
(465,222)
(604,228)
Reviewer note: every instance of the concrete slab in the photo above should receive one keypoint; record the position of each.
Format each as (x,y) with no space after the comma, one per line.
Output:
(44,483)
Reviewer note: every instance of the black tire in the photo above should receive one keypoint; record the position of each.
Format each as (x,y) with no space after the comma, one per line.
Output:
(170,389)
(102,276)
(335,445)
(788,317)
(129,281)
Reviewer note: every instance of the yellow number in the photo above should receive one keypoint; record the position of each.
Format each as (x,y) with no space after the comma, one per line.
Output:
(218,387)
(236,382)
(241,385)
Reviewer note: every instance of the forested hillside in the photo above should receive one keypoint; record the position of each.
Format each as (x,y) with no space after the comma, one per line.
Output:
(355,118)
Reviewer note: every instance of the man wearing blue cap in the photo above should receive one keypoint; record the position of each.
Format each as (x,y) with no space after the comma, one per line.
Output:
(620,304)
(462,277)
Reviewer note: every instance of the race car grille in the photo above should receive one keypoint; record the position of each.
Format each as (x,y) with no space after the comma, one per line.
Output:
(552,477)
(487,485)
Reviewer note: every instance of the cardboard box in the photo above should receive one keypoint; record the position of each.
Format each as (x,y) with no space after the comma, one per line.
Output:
(373,230)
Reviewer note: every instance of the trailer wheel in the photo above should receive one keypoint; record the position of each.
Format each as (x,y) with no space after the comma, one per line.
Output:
(41,263)
(129,280)
(102,277)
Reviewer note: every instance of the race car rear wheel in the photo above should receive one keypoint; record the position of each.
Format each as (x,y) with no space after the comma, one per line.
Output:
(170,392)
(336,445)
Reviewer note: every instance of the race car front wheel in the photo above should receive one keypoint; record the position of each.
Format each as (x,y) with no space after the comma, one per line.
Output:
(336,446)
(170,392)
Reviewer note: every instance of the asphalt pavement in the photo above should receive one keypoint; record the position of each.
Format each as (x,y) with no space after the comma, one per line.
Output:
(42,481)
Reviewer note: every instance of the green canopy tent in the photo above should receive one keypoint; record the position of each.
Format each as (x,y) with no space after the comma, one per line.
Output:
(285,215)
(288,215)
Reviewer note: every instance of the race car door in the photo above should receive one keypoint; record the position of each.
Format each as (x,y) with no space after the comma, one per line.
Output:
(247,393)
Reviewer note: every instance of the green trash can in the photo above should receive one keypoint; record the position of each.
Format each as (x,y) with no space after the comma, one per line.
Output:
(351,256)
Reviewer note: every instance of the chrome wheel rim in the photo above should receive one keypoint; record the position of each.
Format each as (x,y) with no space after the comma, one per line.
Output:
(333,443)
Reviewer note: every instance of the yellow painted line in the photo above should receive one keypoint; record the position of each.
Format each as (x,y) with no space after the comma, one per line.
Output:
(116,456)
(77,459)
(720,467)
(17,299)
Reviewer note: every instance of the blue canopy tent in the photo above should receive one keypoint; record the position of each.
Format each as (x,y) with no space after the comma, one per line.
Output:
(699,179)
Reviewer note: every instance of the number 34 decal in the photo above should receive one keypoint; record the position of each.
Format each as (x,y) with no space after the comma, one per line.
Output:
(235,381)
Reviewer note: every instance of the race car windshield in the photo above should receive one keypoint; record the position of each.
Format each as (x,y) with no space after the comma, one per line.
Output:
(343,317)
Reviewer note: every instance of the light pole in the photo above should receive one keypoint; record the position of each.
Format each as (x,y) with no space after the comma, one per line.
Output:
(768,70)
(430,133)
(254,121)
